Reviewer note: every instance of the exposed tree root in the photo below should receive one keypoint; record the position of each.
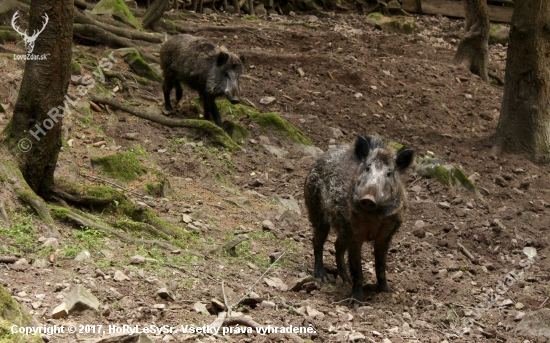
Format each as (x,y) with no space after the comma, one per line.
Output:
(81,221)
(97,34)
(169,26)
(14,181)
(217,133)
(496,78)
(8,259)
(80,199)
(154,13)
(130,225)
(81,18)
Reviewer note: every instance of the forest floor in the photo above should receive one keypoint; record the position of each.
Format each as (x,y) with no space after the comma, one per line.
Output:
(357,79)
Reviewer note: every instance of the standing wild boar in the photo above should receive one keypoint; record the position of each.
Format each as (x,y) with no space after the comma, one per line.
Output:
(210,71)
(358,192)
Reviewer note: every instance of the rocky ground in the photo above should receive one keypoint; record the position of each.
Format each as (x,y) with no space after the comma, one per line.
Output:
(459,265)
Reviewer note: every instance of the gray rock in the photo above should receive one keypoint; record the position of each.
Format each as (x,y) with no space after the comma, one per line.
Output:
(267,225)
(357,336)
(536,323)
(83,256)
(137,259)
(296,284)
(309,150)
(79,299)
(165,294)
(201,308)
(40,263)
(336,132)
(288,202)
(120,276)
(278,152)
(268,304)
(50,242)
(60,311)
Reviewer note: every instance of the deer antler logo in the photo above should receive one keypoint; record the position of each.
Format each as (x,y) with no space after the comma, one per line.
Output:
(29,40)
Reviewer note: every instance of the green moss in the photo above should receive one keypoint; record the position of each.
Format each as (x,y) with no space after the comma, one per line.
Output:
(12,313)
(116,8)
(234,111)
(272,121)
(99,192)
(306,25)
(222,181)
(58,212)
(135,227)
(8,36)
(465,181)
(148,216)
(153,188)
(397,146)
(75,68)
(102,91)
(138,65)
(125,166)
(139,150)
(405,25)
(237,132)
(443,175)
(218,134)
(251,17)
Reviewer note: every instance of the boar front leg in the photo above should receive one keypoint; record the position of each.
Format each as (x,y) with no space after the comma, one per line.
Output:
(381,247)
(356,269)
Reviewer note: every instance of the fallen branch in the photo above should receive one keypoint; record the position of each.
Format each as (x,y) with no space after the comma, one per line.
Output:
(97,34)
(80,4)
(154,13)
(8,259)
(217,133)
(230,246)
(229,308)
(95,178)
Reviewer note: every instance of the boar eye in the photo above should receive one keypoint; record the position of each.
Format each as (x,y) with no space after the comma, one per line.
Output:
(389,173)
(226,74)
(367,168)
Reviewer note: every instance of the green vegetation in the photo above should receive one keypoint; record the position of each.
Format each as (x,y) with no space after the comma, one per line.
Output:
(272,121)
(138,65)
(90,239)
(21,236)
(12,313)
(118,10)
(124,166)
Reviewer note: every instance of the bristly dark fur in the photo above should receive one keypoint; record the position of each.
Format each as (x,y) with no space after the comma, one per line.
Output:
(197,62)
(335,190)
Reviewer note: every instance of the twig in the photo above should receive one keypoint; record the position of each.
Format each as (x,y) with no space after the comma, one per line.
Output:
(544,302)
(266,38)
(364,303)
(225,300)
(467,253)
(330,75)
(255,283)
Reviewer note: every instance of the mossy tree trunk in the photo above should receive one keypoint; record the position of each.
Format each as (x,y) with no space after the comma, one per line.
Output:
(155,12)
(524,123)
(473,50)
(36,122)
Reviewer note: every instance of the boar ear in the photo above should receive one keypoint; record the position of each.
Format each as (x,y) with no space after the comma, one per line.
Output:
(222,58)
(362,148)
(242,58)
(403,159)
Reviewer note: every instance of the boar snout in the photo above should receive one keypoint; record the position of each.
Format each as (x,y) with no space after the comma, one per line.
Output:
(368,203)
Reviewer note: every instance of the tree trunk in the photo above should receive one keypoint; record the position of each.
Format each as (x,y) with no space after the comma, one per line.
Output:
(473,50)
(524,121)
(34,132)
(155,12)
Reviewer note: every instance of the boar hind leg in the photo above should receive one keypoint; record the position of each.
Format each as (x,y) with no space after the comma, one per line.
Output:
(319,237)
(381,247)
(354,256)
(167,86)
(179,90)
(341,245)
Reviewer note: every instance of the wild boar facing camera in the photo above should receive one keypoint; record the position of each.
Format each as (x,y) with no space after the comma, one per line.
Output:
(197,62)
(357,191)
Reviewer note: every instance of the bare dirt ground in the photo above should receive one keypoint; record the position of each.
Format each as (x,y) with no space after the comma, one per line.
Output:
(356,80)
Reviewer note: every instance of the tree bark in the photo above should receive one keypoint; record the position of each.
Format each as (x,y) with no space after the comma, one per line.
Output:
(36,121)
(155,12)
(473,50)
(524,121)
